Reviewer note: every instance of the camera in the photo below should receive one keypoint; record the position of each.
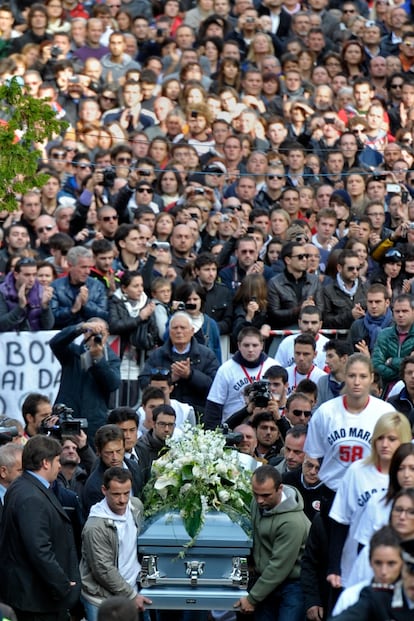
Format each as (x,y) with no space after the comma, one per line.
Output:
(98,339)
(160,32)
(160,246)
(190,306)
(404,196)
(250,20)
(55,51)
(109,176)
(411,226)
(199,191)
(66,425)
(224,218)
(7,433)
(233,438)
(181,306)
(194,114)
(260,394)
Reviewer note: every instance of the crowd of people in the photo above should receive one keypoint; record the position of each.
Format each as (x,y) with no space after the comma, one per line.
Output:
(226,236)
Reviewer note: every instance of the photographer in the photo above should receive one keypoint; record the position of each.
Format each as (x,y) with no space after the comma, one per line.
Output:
(90,371)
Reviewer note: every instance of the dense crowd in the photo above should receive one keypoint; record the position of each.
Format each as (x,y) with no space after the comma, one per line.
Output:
(230,172)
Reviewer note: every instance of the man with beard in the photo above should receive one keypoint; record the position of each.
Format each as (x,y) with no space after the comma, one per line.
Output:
(269,443)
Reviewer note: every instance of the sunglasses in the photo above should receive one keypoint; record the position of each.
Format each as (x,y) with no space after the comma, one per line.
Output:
(144,173)
(109,218)
(25,261)
(142,190)
(44,229)
(84,166)
(271,177)
(396,85)
(393,253)
(124,160)
(157,371)
(353,268)
(108,98)
(299,256)
(58,155)
(305,413)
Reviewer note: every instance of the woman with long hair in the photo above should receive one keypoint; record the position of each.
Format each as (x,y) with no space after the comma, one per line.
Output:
(355,186)
(213,47)
(228,75)
(360,482)
(169,186)
(131,316)
(353,59)
(260,46)
(250,304)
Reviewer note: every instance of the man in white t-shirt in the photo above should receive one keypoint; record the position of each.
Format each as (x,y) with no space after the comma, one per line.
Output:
(248,365)
(304,351)
(309,322)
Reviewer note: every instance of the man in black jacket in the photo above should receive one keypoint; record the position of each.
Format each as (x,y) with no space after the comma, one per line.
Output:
(219,300)
(37,547)
(150,446)
(110,447)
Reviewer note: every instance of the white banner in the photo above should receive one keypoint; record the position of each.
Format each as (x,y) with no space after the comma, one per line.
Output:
(27,365)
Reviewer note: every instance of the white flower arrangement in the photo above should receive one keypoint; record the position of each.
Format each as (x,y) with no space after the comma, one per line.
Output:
(196,475)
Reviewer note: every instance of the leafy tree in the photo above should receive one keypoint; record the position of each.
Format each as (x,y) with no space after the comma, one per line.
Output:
(27,122)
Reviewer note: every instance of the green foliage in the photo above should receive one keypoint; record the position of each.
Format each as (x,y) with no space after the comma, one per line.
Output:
(27,121)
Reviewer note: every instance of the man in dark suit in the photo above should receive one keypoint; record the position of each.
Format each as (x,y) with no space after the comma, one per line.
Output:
(37,547)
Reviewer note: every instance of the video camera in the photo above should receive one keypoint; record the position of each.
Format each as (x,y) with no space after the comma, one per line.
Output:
(260,394)
(233,438)
(66,425)
(7,432)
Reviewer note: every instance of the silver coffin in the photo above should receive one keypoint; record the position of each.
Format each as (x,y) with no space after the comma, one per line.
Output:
(213,572)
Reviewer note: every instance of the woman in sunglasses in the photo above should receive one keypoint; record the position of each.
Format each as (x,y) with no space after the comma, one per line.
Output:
(361,481)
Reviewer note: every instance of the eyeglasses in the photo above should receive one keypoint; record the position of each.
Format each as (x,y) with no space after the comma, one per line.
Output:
(144,173)
(401,510)
(44,229)
(58,155)
(353,268)
(396,85)
(158,371)
(305,413)
(271,177)
(142,190)
(124,160)
(299,256)
(109,218)
(84,166)
(164,425)
(108,98)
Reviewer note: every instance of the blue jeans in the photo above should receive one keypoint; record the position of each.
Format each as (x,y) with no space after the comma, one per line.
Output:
(284,604)
(91,611)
